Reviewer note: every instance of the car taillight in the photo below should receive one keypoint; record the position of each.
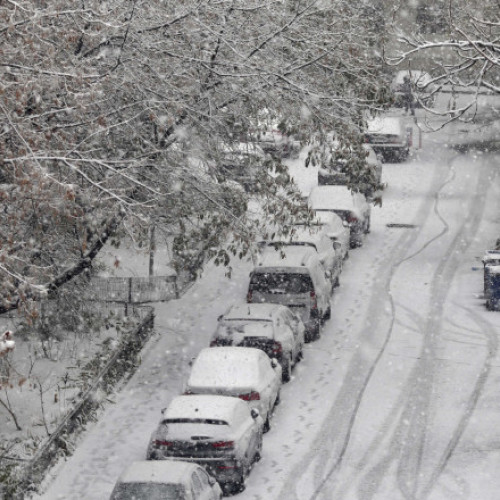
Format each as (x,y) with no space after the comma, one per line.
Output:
(314,300)
(158,442)
(250,396)
(277,348)
(249,296)
(223,444)
(352,219)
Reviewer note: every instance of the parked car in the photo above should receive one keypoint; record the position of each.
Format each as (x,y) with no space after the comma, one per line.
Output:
(243,372)
(352,208)
(388,138)
(329,252)
(220,433)
(271,327)
(336,229)
(240,162)
(295,277)
(167,479)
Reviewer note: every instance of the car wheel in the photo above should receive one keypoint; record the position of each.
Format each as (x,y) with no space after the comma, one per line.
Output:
(328,314)
(286,374)
(258,451)
(267,425)
(277,401)
(314,333)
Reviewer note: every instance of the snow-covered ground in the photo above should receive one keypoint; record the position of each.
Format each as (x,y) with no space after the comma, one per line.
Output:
(399,399)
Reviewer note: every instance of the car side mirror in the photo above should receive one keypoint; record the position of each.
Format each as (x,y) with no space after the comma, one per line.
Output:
(337,245)
(163,410)
(211,480)
(328,274)
(345,223)
(255,413)
(274,362)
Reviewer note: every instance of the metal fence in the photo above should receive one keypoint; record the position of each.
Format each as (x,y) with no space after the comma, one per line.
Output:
(133,290)
(62,439)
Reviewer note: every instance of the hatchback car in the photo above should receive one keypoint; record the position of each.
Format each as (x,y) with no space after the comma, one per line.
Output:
(336,229)
(220,433)
(388,138)
(270,327)
(351,207)
(244,372)
(296,278)
(165,480)
(314,237)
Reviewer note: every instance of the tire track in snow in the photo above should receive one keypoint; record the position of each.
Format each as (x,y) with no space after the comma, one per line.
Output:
(408,436)
(342,417)
(491,338)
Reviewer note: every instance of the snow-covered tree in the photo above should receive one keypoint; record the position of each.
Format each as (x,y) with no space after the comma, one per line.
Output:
(114,116)
(458,40)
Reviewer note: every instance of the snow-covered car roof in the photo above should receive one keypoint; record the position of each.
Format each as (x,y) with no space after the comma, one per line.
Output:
(161,471)
(255,311)
(332,198)
(390,125)
(228,367)
(291,256)
(204,407)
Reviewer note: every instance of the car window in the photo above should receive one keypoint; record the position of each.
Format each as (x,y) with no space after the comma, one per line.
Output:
(151,491)
(281,283)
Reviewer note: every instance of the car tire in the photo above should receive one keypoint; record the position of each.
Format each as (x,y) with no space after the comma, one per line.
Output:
(286,373)
(267,424)
(315,332)
(258,451)
(328,314)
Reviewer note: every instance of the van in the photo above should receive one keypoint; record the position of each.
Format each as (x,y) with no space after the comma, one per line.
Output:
(294,276)
(388,138)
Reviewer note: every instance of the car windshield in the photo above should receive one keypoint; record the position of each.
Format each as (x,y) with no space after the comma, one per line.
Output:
(281,283)
(148,491)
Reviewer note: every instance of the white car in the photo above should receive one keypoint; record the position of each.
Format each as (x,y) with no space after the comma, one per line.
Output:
(349,206)
(388,138)
(243,372)
(271,327)
(220,433)
(148,480)
(336,229)
(313,237)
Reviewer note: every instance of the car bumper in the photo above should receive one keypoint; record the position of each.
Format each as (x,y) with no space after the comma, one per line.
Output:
(224,470)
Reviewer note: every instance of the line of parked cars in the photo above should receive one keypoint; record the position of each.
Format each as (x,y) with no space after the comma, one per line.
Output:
(209,437)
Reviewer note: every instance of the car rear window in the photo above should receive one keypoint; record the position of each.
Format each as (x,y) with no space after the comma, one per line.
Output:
(209,421)
(151,491)
(281,283)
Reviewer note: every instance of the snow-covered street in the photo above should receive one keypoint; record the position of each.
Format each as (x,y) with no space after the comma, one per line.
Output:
(398,399)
